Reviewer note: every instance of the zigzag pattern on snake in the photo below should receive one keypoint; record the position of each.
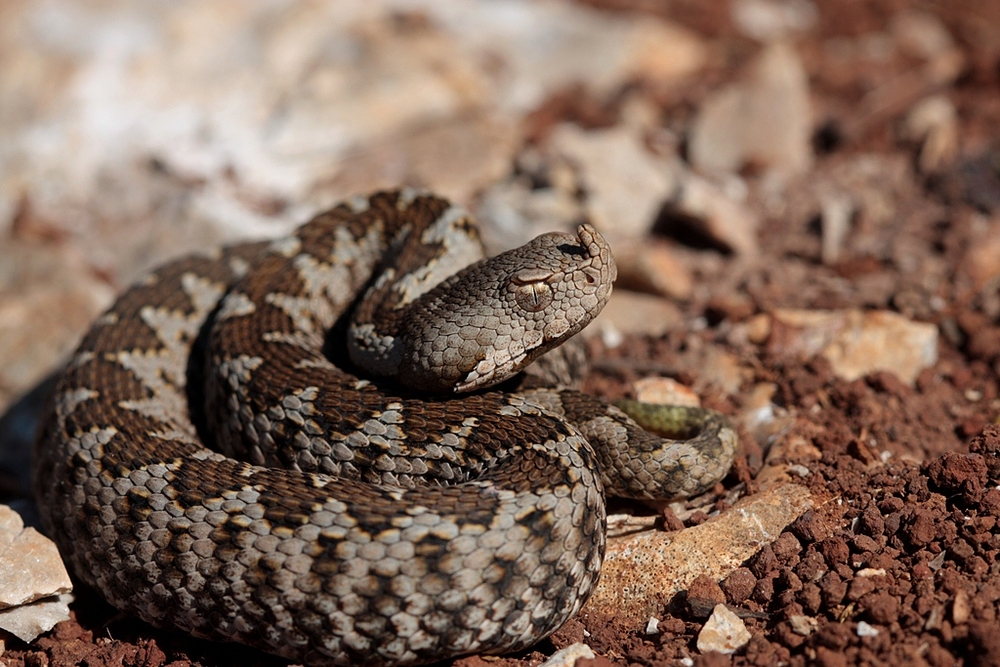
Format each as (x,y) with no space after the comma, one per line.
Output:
(338,520)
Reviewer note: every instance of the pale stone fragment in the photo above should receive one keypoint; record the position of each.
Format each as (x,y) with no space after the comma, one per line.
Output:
(866,630)
(34,585)
(650,266)
(665,391)
(769,20)
(643,571)
(857,342)
(567,657)
(29,621)
(30,566)
(803,625)
(625,184)
(764,120)
(718,211)
(635,313)
(723,632)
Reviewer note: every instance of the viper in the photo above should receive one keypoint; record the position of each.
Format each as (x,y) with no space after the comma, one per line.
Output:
(323,445)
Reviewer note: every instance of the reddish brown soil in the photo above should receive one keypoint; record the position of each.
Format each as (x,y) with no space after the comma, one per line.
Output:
(910,546)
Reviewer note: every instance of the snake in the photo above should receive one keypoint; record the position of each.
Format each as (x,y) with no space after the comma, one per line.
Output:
(324,445)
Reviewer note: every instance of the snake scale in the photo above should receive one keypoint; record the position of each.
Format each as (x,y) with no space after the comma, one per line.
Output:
(339,520)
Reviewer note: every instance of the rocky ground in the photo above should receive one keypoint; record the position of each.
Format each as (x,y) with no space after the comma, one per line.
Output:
(804,197)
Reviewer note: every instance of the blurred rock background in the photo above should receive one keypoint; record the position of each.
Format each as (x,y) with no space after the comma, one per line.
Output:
(803,196)
(131,132)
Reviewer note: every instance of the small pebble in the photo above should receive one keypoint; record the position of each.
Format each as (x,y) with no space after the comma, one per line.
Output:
(866,630)
(803,625)
(567,657)
(724,632)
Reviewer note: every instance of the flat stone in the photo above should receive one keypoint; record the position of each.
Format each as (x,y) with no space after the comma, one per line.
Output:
(717,211)
(635,313)
(515,212)
(459,155)
(836,212)
(724,632)
(764,119)
(856,342)
(803,625)
(659,51)
(982,259)
(665,391)
(644,570)
(769,20)
(866,630)
(719,369)
(920,34)
(625,184)
(30,566)
(933,121)
(654,267)
(567,657)
(27,622)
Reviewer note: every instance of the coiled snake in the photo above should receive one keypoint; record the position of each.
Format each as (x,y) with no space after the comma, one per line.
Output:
(401,522)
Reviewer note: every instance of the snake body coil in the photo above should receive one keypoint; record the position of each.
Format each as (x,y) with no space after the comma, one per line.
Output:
(340,520)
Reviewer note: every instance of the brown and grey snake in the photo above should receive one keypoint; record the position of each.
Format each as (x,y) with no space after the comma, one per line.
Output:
(338,520)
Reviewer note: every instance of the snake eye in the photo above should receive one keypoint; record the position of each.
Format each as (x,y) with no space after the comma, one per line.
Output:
(533,297)
(531,291)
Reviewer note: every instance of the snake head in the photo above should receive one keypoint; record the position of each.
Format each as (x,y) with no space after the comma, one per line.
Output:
(489,321)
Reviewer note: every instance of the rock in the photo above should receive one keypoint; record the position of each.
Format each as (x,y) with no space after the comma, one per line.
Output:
(664,391)
(763,120)
(657,51)
(836,213)
(34,584)
(982,259)
(716,212)
(515,212)
(856,342)
(933,121)
(758,328)
(870,572)
(719,369)
(866,630)
(776,470)
(567,657)
(724,632)
(459,155)
(549,46)
(652,266)
(770,20)
(643,571)
(234,120)
(803,625)
(625,184)
(920,34)
(31,568)
(27,622)
(635,313)
(960,608)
